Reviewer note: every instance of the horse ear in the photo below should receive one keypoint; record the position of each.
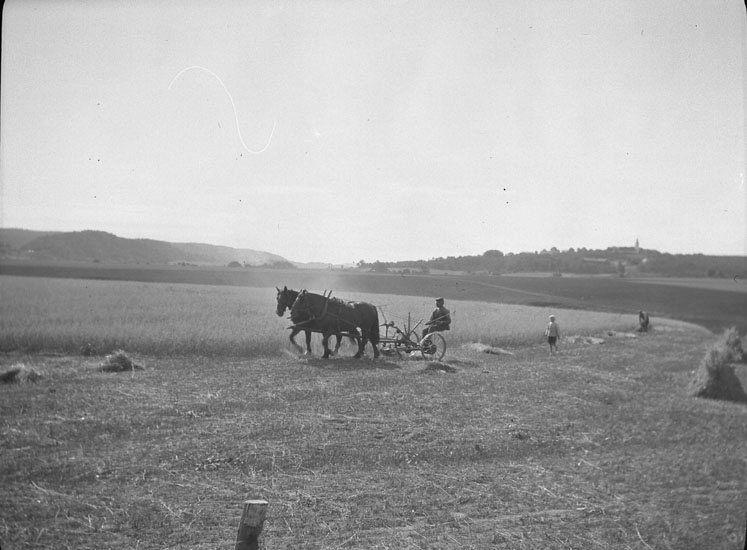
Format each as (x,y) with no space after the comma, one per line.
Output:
(276,288)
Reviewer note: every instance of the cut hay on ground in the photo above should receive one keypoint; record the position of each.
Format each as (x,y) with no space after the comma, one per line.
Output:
(482,348)
(437,366)
(118,362)
(617,334)
(591,340)
(19,373)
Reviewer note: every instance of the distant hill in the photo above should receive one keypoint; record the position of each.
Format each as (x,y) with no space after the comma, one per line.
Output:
(99,246)
(322,265)
(225,254)
(17,239)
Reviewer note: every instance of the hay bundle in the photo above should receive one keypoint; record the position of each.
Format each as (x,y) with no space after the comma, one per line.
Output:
(118,362)
(437,366)
(715,377)
(731,341)
(20,374)
(88,349)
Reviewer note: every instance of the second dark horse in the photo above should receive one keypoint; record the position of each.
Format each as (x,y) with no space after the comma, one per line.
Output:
(332,315)
(285,298)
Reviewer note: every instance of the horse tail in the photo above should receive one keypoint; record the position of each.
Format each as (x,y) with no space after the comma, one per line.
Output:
(374,325)
(375,336)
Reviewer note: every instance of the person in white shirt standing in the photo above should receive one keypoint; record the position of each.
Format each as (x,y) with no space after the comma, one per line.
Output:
(553,334)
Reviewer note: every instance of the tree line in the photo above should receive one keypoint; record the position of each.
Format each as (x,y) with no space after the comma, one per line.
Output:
(620,261)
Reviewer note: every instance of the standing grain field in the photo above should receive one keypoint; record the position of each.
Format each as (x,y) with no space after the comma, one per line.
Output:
(67,315)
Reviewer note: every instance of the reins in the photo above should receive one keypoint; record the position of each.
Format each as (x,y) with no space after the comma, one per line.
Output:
(437,319)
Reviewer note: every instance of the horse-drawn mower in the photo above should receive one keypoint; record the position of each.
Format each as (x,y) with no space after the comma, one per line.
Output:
(329,316)
(405,342)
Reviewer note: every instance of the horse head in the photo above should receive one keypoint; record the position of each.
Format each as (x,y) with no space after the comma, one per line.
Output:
(285,299)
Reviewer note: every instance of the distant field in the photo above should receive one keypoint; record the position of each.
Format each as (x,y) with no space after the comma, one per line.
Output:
(719,306)
(65,315)
(729,285)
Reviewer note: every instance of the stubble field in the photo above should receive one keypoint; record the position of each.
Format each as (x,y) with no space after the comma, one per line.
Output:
(596,447)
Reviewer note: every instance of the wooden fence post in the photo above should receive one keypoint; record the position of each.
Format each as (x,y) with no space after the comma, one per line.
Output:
(251,524)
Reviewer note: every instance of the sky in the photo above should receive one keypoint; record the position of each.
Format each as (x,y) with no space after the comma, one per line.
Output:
(339,130)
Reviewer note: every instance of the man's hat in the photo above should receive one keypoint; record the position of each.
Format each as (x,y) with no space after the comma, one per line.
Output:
(439,299)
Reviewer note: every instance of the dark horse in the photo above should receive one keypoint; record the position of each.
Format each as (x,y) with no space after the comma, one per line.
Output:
(332,315)
(285,299)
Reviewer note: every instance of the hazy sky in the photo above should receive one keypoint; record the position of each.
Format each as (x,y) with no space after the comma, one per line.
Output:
(338,130)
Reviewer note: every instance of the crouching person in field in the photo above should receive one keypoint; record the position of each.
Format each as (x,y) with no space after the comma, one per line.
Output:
(643,321)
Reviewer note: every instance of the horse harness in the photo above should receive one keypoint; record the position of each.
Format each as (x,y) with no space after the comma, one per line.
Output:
(312,317)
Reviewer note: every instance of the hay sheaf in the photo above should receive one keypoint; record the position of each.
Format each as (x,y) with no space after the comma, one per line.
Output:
(118,362)
(715,377)
(720,384)
(20,374)
(731,342)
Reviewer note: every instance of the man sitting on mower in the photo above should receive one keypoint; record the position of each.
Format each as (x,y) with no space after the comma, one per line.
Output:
(440,319)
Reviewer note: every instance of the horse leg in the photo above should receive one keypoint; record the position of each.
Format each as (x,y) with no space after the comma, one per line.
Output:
(361,345)
(371,335)
(354,336)
(293,341)
(308,342)
(365,340)
(325,343)
(374,337)
(376,349)
(338,344)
